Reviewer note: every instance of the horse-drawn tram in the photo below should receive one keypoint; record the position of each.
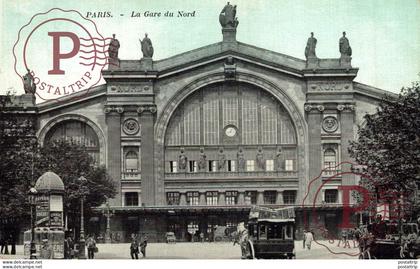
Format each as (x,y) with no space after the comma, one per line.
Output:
(272,233)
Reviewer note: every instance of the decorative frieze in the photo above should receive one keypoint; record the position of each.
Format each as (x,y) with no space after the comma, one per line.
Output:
(329,86)
(129,89)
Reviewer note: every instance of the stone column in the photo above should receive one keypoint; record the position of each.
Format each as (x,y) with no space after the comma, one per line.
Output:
(314,118)
(260,197)
(347,134)
(113,120)
(148,185)
(241,198)
(279,199)
(202,198)
(183,198)
(221,200)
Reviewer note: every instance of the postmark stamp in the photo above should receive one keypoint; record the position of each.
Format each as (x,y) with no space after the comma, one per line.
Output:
(60,53)
(365,211)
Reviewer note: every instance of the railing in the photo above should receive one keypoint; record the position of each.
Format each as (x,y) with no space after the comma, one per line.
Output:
(131,175)
(269,174)
(329,173)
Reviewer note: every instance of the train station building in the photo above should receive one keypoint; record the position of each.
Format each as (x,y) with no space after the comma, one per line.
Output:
(194,140)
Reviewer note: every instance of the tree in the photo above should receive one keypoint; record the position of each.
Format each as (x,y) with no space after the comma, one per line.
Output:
(23,161)
(389,146)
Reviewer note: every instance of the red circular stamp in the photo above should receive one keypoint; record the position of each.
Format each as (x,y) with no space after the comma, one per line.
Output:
(60,53)
(364,209)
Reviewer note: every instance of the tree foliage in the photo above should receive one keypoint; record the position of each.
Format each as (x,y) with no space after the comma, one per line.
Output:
(389,145)
(23,161)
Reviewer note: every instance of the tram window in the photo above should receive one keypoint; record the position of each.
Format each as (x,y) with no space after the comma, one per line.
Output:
(274,231)
(263,232)
(288,229)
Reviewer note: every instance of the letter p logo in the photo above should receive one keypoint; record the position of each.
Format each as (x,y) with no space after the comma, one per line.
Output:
(57,55)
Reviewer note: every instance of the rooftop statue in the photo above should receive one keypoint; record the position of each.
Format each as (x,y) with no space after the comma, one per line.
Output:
(227,17)
(28,83)
(113,48)
(146,47)
(344,46)
(310,46)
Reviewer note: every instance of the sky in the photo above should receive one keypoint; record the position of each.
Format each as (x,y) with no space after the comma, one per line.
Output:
(384,34)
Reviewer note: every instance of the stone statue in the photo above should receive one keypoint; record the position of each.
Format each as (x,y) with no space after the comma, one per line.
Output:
(202,163)
(182,161)
(241,160)
(260,159)
(227,17)
(279,160)
(222,160)
(113,48)
(310,47)
(146,47)
(344,46)
(28,83)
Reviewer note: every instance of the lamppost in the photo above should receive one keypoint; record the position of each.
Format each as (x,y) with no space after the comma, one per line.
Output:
(108,214)
(32,200)
(82,242)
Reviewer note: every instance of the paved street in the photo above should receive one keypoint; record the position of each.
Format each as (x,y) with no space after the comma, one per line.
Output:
(204,251)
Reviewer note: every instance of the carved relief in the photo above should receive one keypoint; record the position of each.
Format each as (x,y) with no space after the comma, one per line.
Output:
(109,109)
(131,126)
(330,124)
(326,86)
(129,89)
(144,108)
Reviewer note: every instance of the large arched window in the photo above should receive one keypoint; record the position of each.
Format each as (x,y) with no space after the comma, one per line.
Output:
(78,132)
(256,116)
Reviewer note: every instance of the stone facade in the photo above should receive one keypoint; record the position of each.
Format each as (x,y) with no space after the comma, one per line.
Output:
(179,167)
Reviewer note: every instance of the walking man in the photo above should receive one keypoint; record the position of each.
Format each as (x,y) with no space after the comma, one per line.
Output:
(143,246)
(308,240)
(134,247)
(91,246)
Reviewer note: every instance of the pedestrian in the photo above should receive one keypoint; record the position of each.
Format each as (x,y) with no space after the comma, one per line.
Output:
(304,238)
(202,237)
(68,248)
(134,247)
(308,240)
(91,246)
(46,251)
(143,246)
(1,244)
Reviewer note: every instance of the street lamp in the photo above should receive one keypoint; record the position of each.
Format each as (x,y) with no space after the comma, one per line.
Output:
(32,200)
(82,242)
(108,214)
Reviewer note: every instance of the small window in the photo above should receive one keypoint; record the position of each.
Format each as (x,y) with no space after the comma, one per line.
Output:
(250,165)
(173,166)
(289,165)
(193,166)
(212,197)
(231,197)
(251,197)
(172,198)
(212,166)
(193,198)
(131,162)
(131,199)
(330,160)
(331,196)
(269,165)
(231,165)
(270,197)
(289,197)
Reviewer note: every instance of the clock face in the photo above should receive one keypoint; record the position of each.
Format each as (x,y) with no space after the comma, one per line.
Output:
(230,131)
